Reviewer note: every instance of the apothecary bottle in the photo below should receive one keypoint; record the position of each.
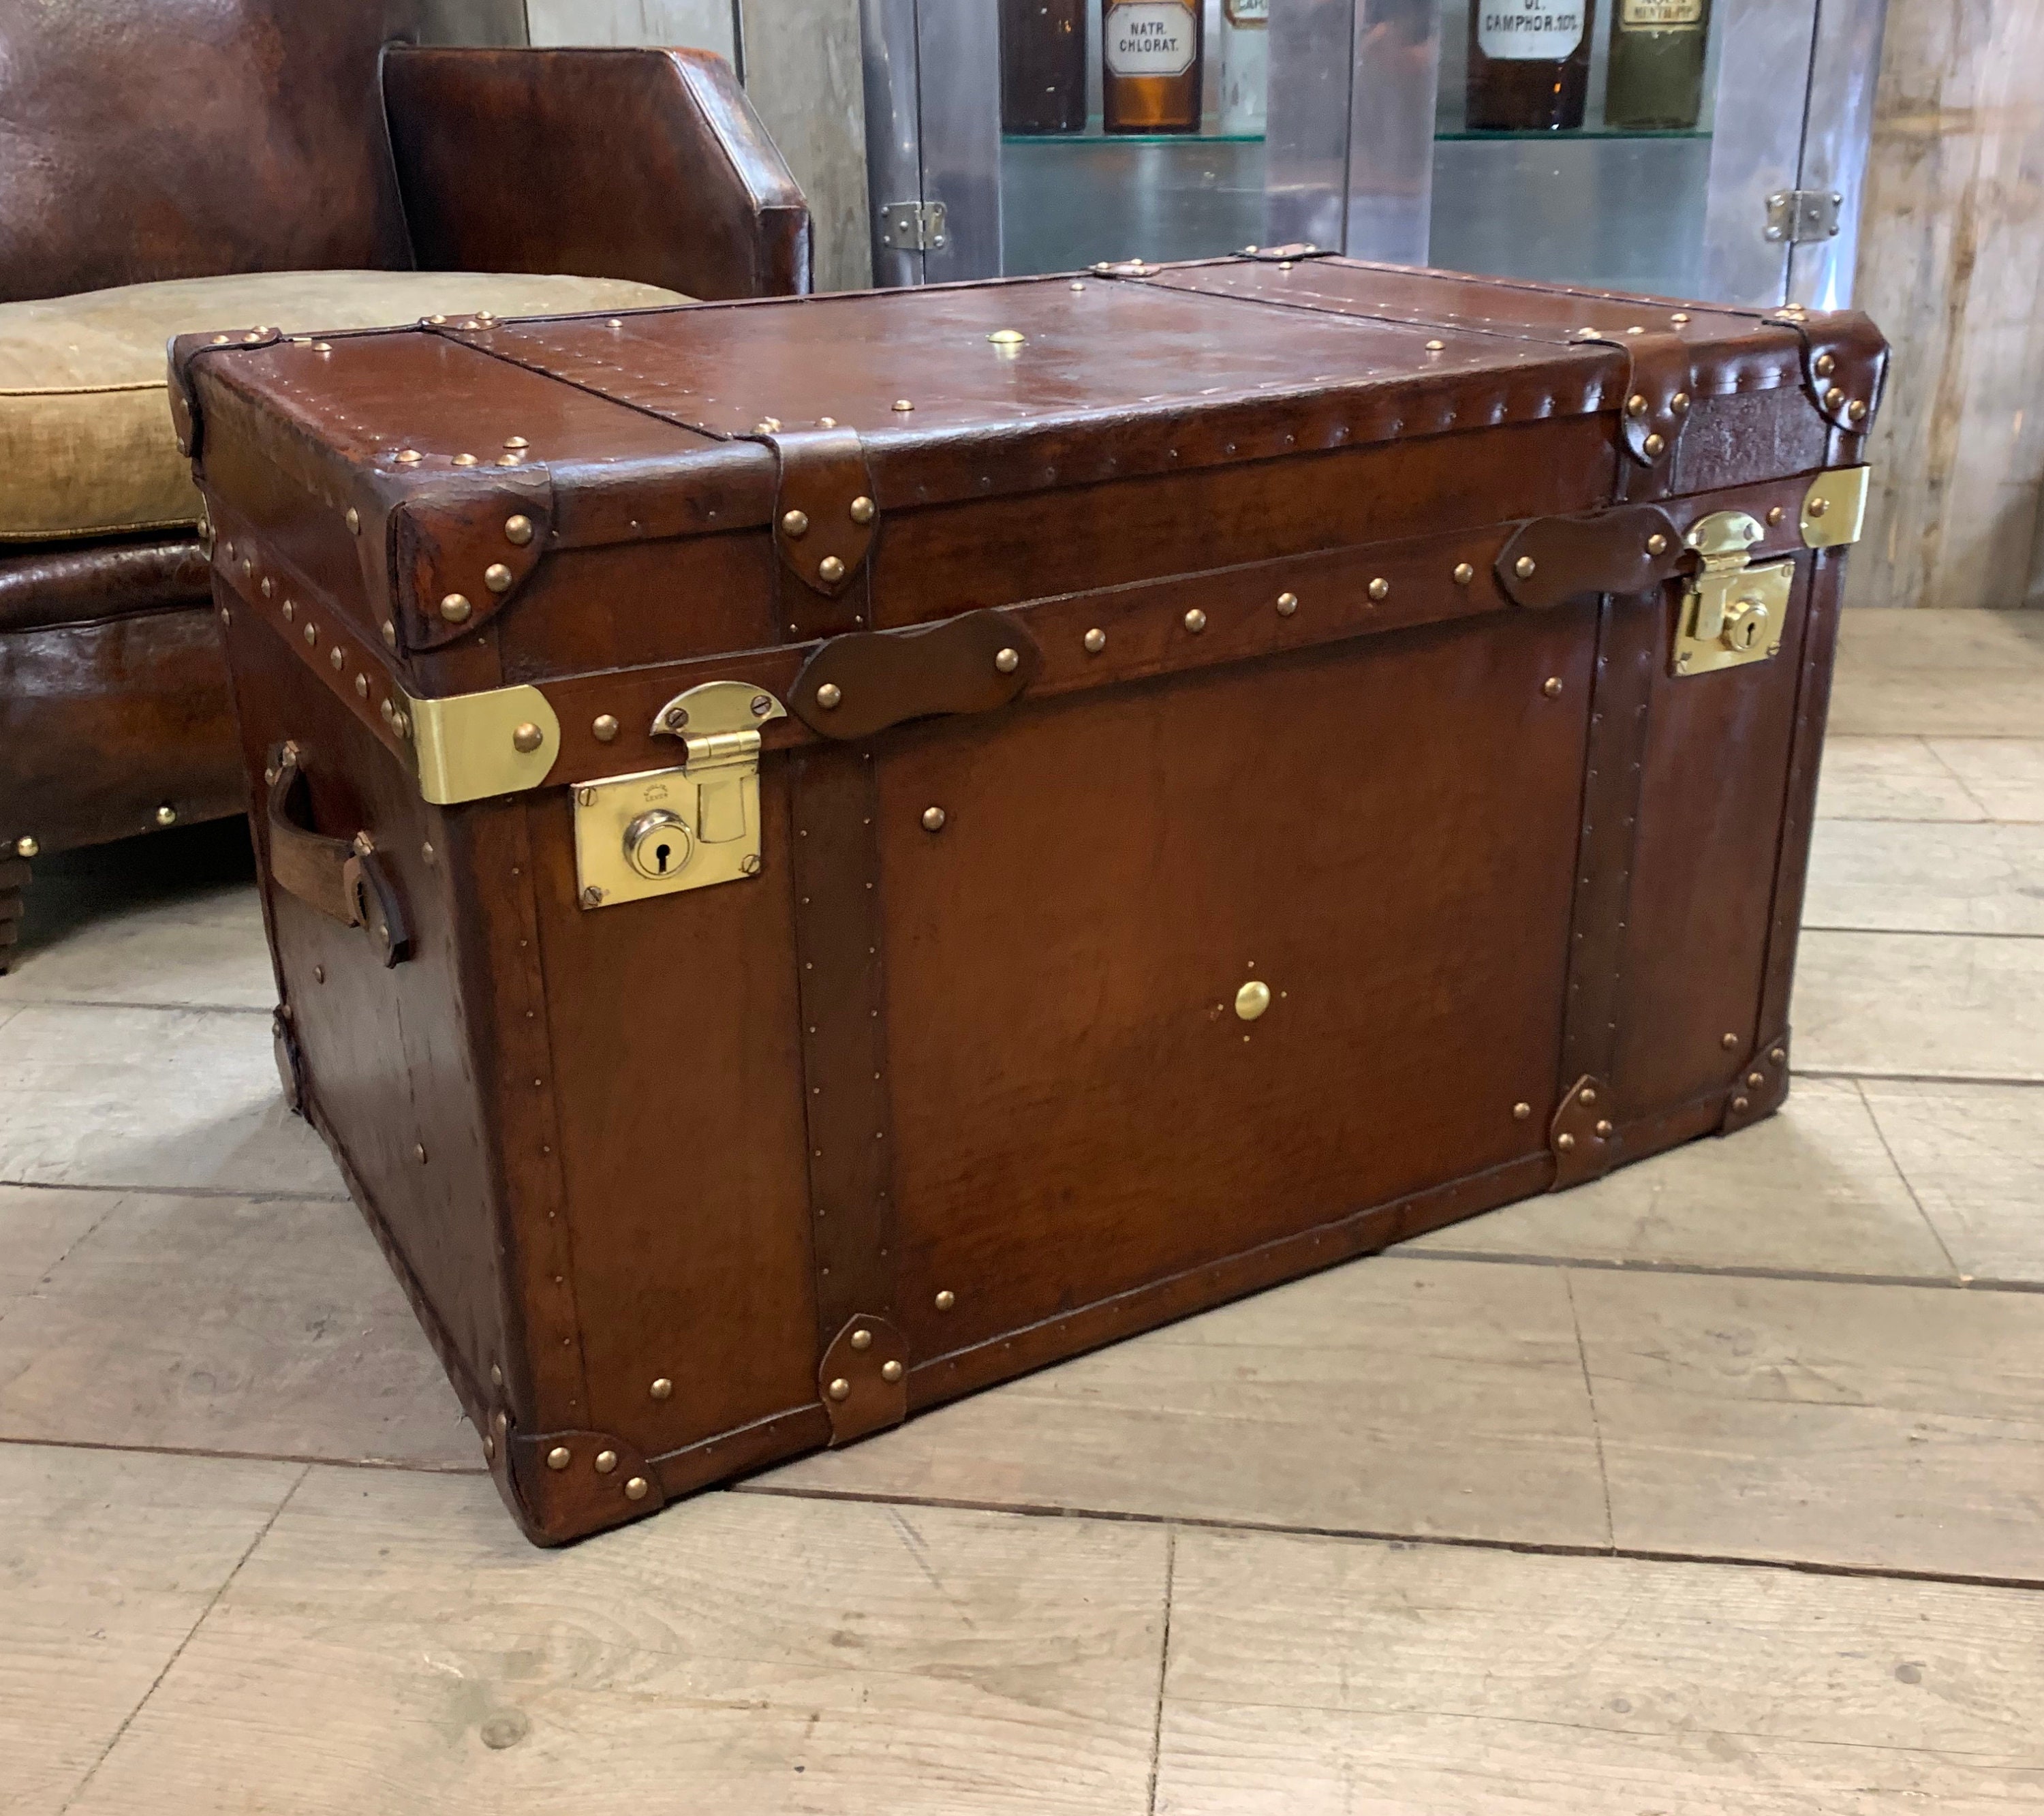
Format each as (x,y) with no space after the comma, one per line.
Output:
(1656,77)
(1150,57)
(1529,64)
(1043,66)
(1245,66)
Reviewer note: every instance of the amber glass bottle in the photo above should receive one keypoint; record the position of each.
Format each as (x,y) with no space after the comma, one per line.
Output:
(1529,64)
(1150,55)
(1656,64)
(1043,66)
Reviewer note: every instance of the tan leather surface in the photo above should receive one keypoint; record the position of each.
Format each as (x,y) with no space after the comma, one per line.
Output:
(82,582)
(86,437)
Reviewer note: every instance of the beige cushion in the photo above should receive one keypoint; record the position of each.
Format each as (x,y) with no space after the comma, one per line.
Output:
(85,442)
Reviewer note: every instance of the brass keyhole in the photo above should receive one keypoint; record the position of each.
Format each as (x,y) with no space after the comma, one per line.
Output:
(1744,625)
(658,845)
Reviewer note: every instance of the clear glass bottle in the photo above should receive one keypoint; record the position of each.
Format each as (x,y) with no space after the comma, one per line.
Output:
(1529,64)
(1151,57)
(1656,76)
(1043,66)
(1245,66)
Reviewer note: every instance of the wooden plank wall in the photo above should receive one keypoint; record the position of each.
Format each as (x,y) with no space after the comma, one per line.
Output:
(1951,266)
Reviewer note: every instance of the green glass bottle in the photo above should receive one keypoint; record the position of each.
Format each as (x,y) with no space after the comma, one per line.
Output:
(1656,77)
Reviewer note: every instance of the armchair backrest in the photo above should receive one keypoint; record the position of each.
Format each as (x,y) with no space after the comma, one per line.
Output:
(148,139)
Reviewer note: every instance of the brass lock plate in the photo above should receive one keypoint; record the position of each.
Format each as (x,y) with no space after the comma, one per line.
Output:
(1731,613)
(662,831)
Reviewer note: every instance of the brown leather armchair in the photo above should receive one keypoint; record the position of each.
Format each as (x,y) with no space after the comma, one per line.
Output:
(180,165)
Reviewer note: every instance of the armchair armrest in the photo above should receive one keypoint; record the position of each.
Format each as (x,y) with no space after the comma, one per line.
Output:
(647,164)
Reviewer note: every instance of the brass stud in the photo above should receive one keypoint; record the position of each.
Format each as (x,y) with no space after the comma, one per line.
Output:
(662,1388)
(291,610)
(1728,1042)
(839,1389)
(1464,574)
(390,634)
(1521,1111)
(488,1448)
(409,456)
(558,1458)
(1635,329)
(1680,403)
(605,727)
(385,708)
(429,858)
(496,1376)
(933,819)
(269,588)
(419,1153)
(503,1422)
(767,426)
(455,608)
(166,815)
(1436,346)
(945,1299)
(1552,688)
(1778,1055)
(1195,621)
(1252,999)
(510,460)
(636,1488)
(1824,365)
(220,340)
(1007,661)
(362,687)
(890,1372)
(516,441)
(1834,397)
(1636,404)
(1756,1079)
(862,509)
(1657,544)
(1287,604)
(794,524)
(1603,1129)
(1856,411)
(829,570)
(27,845)
(354,521)
(497,577)
(518,529)
(1565,1142)
(399,723)
(826,422)
(903,403)
(862,1340)
(829,695)
(464,460)
(606,1460)
(1380,589)
(1775,514)
(1817,506)
(527,738)
(311,633)
(1095,641)
(1679,317)
(1524,567)
(1741,1105)
(1654,445)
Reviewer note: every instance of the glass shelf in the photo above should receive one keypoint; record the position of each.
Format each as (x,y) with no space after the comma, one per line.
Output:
(1614,134)
(1093,135)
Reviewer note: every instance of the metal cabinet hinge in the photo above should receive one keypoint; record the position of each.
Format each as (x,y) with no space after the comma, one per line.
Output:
(1797,216)
(1731,614)
(913,226)
(662,831)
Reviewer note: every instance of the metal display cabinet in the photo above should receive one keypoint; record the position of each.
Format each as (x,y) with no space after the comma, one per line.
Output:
(1366,149)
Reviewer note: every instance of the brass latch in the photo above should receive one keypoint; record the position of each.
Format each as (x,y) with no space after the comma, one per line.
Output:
(1731,614)
(662,831)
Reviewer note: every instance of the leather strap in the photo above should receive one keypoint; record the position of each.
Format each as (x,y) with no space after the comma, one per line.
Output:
(1626,549)
(844,1036)
(971,663)
(824,518)
(343,880)
(1660,386)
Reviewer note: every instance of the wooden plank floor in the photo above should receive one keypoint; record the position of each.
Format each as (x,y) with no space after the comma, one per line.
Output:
(1716,1485)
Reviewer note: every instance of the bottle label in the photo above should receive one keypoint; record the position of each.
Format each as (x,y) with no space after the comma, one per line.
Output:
(1252,15)
(1149,37)
(1516,31)
(1659,15)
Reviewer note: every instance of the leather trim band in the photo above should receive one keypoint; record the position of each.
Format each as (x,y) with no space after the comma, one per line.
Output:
(1660,386)
(1627,549)
(823,521)
(971,663)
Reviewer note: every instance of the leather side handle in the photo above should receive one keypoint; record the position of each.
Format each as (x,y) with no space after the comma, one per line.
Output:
(1629,549)
(345,880)
(866,681)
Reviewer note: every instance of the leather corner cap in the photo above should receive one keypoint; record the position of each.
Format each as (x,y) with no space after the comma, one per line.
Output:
(866,681)
(1845,362)
(464,545)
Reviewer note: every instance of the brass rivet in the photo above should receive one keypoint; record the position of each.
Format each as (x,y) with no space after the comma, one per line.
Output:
(1095,641)
(829,570)
(419,1153)
(1657,544)
(862,1340)
(220,340)
(1635,329)
(488,1448)
(496,1376)
(455,608)
(946,1299)
(354,520)
(903,403)
(1741,1105)
(829,695)
(1552,688)
(510,460)
(409,456)
(1464,573)
(390,634)
(767,426)
(1856,410)
(1007,661)
(516,441)
(1816,507)
(1654,444)
(1777,1055)
(319,974)
(269,588)
(933,819)
(1380,589)
(1756,1079)
(1287,604)
(312,634)
(1834,397)
(605,727)
(1565,1142)
(890,1371)
(27,845)
(662,1388)
(826,422)
(839,1389)
(1636,404)
(1678,317)
(386,709)
(518,529)
(1775,513)
(464,460)
(1728,1042)
(1007,337)
(558,1458)
(795,523)
(1252,999)
(497,577)
(862,509)
(1524,567)
(1195,621)
(399,723)
(606,1460)
(503,1422)
(426,853)
(291,609)
(362,687)
(1603,1129)
(1680,403)
(528,738)
(1521,1111)
(635,1489)
(1588,1094)
(1436,346)
(1825,365)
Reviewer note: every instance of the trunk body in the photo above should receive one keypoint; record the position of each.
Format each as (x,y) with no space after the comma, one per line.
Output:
(802,887)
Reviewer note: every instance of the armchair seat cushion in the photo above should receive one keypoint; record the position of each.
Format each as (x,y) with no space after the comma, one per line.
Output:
(86,448)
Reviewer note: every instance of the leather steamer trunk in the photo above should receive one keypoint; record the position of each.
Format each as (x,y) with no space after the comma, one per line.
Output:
(821,854)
